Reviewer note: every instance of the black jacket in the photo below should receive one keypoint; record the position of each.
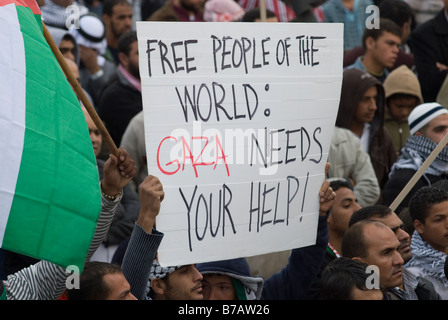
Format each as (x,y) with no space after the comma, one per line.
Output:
(429,43)
(118,104)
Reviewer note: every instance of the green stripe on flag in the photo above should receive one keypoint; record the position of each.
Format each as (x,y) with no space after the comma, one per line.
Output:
(57,199)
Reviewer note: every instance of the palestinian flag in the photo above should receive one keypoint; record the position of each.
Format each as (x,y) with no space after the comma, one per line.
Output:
(49,189)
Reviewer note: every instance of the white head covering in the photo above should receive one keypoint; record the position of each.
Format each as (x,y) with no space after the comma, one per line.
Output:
(424,113)
(91,34)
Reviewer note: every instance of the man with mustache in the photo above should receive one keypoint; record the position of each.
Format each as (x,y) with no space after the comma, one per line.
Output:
(412,287)
(375,244)
(175,283)
(361,110)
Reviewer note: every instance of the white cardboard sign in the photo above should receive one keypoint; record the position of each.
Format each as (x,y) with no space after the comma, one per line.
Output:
(238,122)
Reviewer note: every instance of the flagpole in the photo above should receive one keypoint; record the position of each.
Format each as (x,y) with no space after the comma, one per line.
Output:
(419,173)
(80,92)
(263,14)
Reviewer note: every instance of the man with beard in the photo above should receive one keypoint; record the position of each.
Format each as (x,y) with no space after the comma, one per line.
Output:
(411,287)
(180,10)
(117,18)
(122,98)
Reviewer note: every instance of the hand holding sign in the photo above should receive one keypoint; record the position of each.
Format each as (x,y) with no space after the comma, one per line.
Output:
(326,194)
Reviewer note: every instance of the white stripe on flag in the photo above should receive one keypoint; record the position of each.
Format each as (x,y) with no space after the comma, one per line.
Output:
(13,105)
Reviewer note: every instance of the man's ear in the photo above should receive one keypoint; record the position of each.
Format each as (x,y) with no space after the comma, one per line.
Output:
(123,58)
(358,259)
(369,43)
(419,226)
(106,19)
(418,133)
(158,286)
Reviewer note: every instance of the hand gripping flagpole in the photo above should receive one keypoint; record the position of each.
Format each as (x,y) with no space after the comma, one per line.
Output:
(419,173)
(80,92)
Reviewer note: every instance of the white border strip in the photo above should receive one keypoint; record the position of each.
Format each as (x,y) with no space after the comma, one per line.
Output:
(12,108)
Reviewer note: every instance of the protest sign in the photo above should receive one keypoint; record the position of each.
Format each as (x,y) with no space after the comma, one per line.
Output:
(238,122)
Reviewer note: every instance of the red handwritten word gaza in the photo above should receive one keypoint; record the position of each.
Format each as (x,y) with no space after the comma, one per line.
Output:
(187,154)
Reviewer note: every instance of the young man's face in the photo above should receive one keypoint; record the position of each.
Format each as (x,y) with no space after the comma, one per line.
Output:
(218,287)
(400,107)
(68,50)
(436,129)
(367,106)
(382,246)
(119,287)
(385,49)
(342,209)
(434,230)
(183,284)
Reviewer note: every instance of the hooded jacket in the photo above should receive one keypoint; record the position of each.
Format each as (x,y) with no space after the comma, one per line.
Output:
(400,81)
(236,269)
(355,83)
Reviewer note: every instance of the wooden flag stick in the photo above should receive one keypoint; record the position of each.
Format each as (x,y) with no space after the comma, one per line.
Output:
(80,92)
(263,14)
(419,173)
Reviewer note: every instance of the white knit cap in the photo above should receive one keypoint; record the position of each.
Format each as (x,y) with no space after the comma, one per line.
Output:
(424,113)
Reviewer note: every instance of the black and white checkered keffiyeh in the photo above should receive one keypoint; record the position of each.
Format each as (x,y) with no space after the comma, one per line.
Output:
(159,272)
(416,151)
(429,260)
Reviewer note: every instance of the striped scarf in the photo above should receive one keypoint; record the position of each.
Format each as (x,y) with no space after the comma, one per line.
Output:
(430,261)
(416,151)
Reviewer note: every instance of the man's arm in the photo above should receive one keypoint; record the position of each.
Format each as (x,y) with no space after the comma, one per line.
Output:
(145,240)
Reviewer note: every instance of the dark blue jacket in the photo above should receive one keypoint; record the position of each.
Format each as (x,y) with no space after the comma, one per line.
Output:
(294,280)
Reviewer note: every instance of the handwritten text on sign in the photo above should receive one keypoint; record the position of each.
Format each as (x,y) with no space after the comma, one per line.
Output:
(238,122)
